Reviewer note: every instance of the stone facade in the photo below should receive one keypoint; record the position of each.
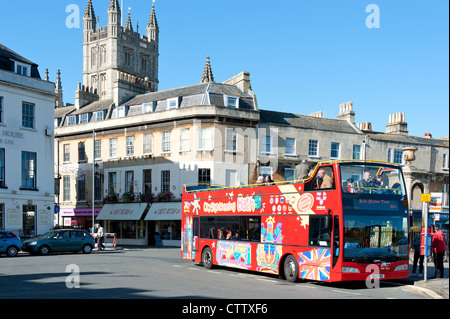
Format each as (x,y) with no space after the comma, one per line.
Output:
(26,146)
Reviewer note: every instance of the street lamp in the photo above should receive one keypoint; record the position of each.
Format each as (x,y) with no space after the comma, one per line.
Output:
(93,178)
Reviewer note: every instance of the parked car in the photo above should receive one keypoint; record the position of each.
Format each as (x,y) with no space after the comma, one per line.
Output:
(60,240)
(9,243)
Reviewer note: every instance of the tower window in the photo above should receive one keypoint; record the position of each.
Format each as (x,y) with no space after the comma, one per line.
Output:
(128,57)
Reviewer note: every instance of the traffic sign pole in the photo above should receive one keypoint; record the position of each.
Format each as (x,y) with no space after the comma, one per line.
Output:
(425,198)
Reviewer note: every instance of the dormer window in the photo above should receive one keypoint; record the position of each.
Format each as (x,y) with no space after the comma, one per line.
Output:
(83,118)
(231,101)
(172,103)
(22,69)
(99,116)
(147,108)
(121,111)
(71,120)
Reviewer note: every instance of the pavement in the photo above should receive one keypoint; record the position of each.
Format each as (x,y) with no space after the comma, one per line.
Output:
(434,287)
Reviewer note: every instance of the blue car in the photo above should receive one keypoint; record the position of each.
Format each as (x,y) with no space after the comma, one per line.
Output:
(9,243)
(59,241)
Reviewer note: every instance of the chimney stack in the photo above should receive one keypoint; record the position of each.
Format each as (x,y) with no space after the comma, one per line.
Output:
(367,126)
(317,114)
(346,112)
(397,124)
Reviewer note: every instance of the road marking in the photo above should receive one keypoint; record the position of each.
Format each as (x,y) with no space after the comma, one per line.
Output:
(260,279)
(306,286)
(346,292)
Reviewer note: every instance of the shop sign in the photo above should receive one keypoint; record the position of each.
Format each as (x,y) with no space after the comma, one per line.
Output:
(435,203)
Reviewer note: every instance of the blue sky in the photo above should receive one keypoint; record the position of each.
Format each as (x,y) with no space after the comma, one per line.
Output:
(303,56)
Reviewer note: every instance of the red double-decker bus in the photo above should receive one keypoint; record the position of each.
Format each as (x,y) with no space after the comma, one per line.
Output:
(347,221)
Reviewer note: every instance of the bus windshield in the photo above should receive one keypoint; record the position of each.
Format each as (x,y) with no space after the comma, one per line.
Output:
(372,179)
(375,238)
(375,216)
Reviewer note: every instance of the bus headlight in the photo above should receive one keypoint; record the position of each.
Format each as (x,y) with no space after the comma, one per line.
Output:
(401,267)
(350,270)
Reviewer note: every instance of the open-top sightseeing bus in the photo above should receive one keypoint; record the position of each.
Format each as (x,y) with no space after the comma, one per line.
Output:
(301,230)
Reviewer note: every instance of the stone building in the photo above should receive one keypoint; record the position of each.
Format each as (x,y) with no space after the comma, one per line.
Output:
(26,146)
(150,146)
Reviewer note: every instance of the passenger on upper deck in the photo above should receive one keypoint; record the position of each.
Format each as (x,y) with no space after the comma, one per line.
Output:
(301,170)
(366,182)
(347,186)
(268,179)
(328,181)
(322,180)
(319,179)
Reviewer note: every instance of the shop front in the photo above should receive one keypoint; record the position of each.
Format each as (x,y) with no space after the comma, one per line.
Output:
(25,217)
(164,224)
(77,218)
(126,221)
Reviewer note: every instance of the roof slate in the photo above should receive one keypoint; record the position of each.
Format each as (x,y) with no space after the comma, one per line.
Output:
(6,57)
(400,138)
(94,107)
(305,121)
(192,95)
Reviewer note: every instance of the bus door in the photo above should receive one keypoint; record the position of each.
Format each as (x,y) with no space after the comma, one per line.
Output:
(195,234)
(336,241)
(190,237)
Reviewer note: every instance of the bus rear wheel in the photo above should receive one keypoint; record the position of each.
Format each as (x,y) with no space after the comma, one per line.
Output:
(207,258)
(290,269)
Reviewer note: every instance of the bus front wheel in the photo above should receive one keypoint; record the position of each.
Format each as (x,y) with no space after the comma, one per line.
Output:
(290,268)
(207,258)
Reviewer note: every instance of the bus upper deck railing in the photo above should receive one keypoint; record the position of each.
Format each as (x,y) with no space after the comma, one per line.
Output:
(199,187)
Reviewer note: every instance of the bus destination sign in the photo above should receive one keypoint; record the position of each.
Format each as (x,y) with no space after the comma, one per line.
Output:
(375,204)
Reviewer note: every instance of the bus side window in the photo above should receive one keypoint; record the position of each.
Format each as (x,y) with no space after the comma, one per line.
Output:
(319,232)
(323,179)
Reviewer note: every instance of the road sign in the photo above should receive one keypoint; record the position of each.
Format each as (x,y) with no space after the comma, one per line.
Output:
(425,198)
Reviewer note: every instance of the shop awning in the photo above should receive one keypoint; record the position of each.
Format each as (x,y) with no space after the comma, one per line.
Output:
(164,211)
(122,211)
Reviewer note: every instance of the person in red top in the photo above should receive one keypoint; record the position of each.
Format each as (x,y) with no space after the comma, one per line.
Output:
(439,247)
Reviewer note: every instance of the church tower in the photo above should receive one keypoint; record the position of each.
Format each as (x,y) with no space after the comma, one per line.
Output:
(118,62)
(114,18)
(89,23)
(152,27)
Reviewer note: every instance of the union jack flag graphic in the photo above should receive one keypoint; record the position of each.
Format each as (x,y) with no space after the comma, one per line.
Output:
(315,264)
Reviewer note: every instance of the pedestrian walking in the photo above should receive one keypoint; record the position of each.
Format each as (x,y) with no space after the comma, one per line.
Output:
(418,258)
(439,248)
(100,237)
